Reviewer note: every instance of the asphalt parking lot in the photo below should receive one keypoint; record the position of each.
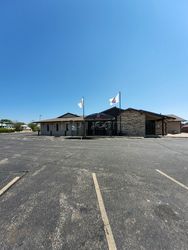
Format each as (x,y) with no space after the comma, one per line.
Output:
(54,204)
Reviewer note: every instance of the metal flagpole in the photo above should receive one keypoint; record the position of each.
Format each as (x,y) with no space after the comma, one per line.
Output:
(83,105)
(120,112)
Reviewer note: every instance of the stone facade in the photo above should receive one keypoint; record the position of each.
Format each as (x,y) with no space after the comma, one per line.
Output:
(173,127)
(132,123)
(158,127)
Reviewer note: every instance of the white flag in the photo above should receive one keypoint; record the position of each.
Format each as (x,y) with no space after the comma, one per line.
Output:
(114,100)
(81,103)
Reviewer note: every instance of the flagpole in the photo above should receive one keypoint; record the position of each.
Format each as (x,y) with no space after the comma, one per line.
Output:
(120,99)
(84,128)
(120,112)
(83,108)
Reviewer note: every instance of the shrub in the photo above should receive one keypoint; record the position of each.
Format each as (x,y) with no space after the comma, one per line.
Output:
(33,126)
(6,130)
(17,126)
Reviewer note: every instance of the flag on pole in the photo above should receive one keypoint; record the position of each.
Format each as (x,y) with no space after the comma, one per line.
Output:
(114,100)
(81,103)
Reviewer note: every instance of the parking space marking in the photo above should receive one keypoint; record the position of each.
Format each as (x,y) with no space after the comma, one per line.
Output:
(107,227)
(39,170)
(6,187)
(172,179)
(4,161)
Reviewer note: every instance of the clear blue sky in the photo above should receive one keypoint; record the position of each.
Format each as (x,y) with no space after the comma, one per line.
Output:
(54,52)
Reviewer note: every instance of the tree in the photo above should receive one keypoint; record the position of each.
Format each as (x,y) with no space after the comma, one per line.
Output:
(17,126)
(33,126)
(6,121)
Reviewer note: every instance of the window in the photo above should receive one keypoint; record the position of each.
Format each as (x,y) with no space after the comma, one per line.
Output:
(48,127)
(57,127)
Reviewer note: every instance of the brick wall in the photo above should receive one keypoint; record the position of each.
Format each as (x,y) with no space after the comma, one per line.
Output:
(174,127)
(158,128)
(132,123)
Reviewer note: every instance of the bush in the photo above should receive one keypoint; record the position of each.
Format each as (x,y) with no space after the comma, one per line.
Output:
(33,126)
(17,126)
(6,130)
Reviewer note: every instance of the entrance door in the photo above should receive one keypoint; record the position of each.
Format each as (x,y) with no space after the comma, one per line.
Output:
(150,127)
(96,128)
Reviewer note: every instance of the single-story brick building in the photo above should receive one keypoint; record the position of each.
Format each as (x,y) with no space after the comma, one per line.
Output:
(113,121)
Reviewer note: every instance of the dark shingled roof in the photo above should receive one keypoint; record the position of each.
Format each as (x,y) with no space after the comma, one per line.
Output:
(149,113)
(113,111)
(68,115)
(108,114)
(176,118)
(99,116)
(66,119)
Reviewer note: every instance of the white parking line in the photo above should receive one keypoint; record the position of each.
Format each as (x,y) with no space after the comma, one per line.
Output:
(6,187)
(39,170)
(4,161)
(172,179)
(107,227)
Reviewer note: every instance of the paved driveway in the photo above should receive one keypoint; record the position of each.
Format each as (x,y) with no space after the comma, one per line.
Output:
(55,206)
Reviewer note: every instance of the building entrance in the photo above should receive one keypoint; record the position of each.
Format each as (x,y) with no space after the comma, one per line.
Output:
(150,127)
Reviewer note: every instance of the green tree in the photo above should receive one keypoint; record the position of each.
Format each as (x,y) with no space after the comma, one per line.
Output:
(33,126)
(17,126)
(6,121)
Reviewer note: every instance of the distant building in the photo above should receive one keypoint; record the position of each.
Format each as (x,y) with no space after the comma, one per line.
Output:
(8,125)
(184,128)
(25,127)
(114,121)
